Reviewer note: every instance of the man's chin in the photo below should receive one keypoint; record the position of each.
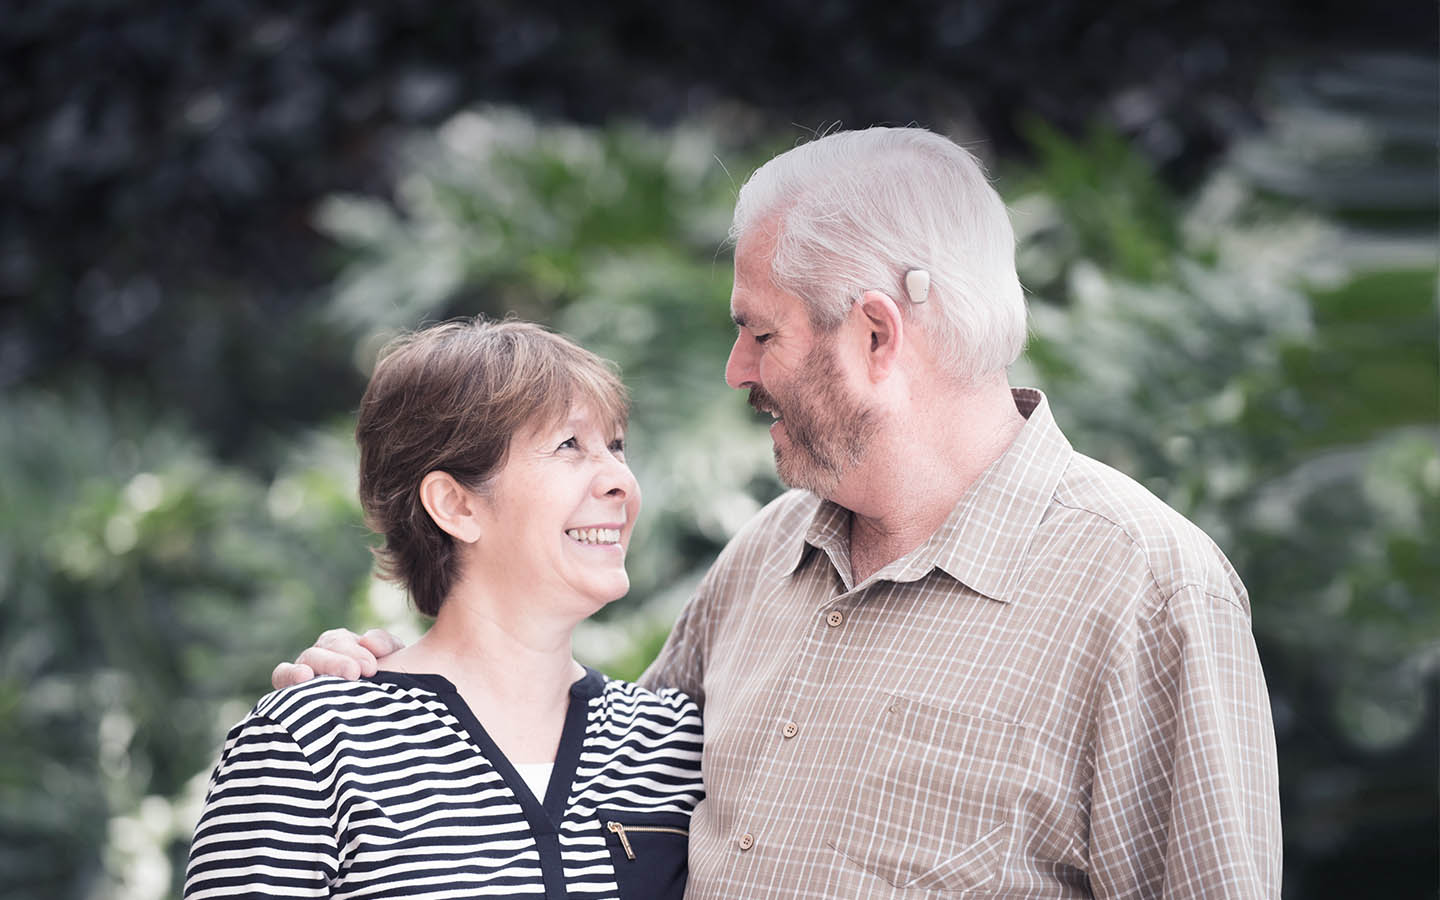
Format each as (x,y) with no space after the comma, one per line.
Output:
(804,475)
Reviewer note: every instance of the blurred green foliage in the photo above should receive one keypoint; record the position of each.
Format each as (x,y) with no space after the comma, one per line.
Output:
(1116,213)
(1267,369)
(146,587)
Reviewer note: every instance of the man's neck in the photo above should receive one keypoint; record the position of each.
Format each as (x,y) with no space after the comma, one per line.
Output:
(909,485)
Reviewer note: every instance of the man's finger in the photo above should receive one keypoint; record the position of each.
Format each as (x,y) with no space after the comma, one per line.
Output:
(343,642)
(349,665)
(338,639)
(380,642)
(289,674)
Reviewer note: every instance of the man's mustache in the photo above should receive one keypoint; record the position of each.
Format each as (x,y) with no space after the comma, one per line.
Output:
(761,401)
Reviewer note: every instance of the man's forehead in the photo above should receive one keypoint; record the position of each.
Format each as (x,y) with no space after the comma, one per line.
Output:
(751,311)
(755,302)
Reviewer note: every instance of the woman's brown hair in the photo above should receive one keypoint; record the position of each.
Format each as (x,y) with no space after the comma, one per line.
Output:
(450,398)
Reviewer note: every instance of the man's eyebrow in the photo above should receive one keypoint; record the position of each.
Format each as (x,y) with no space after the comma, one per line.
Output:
(751,321)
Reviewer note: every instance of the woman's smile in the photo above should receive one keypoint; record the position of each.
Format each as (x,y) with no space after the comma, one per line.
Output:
(600,535)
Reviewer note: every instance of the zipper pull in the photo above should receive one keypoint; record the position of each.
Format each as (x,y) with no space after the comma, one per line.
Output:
(619,829)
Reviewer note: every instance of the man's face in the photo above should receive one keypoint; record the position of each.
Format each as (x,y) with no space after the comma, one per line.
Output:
(821,428)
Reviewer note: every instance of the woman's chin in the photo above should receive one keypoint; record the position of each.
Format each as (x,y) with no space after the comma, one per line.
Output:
(609,597)
(602,595)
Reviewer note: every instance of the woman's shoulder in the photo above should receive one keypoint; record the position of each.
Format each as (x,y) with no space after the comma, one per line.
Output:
(643,752)
(665,703)
(322,690)
(328,698)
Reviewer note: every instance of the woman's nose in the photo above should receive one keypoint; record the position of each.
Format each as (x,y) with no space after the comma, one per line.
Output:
(616,479)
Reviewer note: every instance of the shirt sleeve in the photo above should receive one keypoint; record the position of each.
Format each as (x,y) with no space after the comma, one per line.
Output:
(266,829)
(1185,798)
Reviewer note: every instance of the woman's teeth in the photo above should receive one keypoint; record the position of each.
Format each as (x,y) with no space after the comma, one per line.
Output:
(595,535)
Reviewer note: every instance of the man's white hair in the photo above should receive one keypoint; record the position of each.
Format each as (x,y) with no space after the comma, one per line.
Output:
(855,210)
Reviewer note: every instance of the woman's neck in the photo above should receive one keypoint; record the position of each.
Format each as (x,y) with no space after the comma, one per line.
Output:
(514,671)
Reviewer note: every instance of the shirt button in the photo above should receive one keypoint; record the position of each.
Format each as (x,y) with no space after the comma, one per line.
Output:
(835,618)
(790,729)
(747,840)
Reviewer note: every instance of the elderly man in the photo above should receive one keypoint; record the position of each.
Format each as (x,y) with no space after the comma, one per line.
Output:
(960,656)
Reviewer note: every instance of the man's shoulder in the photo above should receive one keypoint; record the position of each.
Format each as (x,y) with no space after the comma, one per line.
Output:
(788,514)
(768,545)
(781,523)
(1105,504)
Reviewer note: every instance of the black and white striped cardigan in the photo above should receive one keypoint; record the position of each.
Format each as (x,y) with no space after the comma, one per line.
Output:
(389,787)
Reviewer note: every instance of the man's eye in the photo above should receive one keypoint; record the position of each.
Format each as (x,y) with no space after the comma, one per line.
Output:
(763,338)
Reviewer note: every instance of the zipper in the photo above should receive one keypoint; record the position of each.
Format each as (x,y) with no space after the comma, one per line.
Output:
(619,829)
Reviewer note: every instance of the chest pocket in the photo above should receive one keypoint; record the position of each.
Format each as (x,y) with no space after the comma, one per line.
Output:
(650,852)
(932,799)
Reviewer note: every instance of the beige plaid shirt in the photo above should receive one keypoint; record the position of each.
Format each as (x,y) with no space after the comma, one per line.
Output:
(1057,695)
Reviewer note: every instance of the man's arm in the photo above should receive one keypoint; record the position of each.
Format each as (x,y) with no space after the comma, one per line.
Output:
(340,652)
(1185,799)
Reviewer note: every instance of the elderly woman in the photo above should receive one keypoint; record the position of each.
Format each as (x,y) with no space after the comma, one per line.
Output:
(485,760)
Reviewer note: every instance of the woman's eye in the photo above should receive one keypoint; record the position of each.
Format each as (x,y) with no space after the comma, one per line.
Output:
(569,444)
(617,446)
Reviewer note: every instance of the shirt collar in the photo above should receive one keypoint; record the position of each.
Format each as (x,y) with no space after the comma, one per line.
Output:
(983,542)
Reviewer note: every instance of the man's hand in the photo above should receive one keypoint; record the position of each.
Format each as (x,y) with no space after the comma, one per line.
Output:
(341,652)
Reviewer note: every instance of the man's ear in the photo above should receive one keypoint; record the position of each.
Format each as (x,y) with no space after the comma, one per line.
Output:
(885,331)
(451,505)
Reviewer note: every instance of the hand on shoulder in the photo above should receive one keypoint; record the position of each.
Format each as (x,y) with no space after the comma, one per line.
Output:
(340,652)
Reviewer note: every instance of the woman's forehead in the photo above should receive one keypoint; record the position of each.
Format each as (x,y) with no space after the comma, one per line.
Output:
(576,416)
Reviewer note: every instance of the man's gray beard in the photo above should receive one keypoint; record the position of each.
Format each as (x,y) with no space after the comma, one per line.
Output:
(827,449)
(813,473)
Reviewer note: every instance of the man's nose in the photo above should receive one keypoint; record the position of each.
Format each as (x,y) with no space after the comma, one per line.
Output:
(740,370)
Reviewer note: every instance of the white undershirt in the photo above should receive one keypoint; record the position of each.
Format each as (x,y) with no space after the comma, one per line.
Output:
(537,777)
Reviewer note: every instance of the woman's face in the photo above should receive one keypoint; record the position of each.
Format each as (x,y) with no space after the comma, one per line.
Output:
(556,520)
